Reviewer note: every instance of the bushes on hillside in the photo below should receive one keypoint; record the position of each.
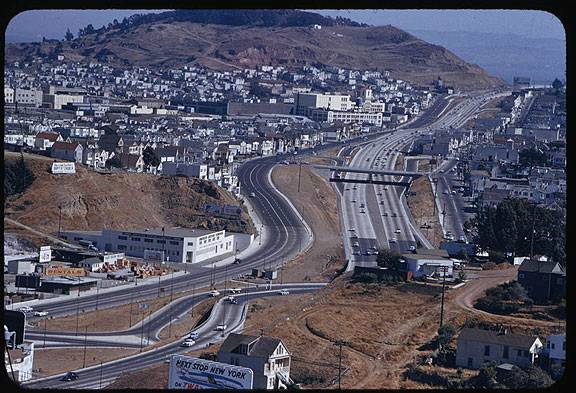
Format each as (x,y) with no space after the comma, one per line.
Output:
(504,299)
(17,177)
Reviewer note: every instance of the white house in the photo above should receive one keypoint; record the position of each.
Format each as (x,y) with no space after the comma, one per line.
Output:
(268,358)
(556,349)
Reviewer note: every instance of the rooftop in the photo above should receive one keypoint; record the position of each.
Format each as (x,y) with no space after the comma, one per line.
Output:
(495,337)
(169,232)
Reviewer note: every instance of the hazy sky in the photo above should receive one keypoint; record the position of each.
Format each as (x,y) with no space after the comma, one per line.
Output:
(33,25)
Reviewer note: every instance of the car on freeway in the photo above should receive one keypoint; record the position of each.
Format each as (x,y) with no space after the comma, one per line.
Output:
(379,193)
(362,211)
(385,188)
(252,195)
(346,189)
(356,252)
(353,200)
(462,239)
(214,293)
(394,215)
(235,290)
(453,192)
(69,376)
(445,192)
(188,343)
(352,229)
(412,248)
(40,313)
(441,170)
(284,292)
(221,327)
(354,236)
(397,230)
(382,202)
(26,309)
(285,162)
(384,214)
(237,261)
(194,335)
(461,189)
(367,252)
(362,205)
(355,187)
(167,360)
(356,244)
(392,240)
(231,299)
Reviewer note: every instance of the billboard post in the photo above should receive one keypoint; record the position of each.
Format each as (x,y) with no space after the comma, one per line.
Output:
(193,373)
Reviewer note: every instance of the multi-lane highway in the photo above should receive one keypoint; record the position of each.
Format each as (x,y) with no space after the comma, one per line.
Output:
(232,314)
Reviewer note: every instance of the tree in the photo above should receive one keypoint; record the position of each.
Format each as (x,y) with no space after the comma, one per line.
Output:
(69,36)
(388,258)
(557,84)
(89,29)
(532,157)
(366,277)
(150,157)
(113,162)
(445,334)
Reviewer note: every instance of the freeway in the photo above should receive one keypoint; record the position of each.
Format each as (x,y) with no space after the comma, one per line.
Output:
(377,215)
(234,315)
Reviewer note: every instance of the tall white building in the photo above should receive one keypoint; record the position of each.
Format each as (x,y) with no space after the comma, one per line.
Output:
(335,102)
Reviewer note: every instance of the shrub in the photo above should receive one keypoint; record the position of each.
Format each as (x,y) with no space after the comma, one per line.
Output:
(366,277)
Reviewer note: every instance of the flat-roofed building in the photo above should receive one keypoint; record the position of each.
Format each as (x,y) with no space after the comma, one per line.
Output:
(161,244)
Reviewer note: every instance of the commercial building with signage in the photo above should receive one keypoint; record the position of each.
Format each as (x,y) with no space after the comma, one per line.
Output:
(176,244)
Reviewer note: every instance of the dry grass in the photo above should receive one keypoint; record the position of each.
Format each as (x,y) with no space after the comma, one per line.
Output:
(420,200)
(399,164)
(57,360)
(317,203)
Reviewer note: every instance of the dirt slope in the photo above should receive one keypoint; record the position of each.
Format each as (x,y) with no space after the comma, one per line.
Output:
(93,201)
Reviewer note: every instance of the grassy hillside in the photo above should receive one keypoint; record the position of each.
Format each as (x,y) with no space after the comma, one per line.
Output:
(93,201)
(224,47)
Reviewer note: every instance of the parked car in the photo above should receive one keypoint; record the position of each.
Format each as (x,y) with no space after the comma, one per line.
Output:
(70,376)
(235,290)
(194,335)
(26,309)
(41,313)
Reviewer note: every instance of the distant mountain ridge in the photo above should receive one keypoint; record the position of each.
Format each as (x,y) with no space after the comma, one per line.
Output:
(232,39)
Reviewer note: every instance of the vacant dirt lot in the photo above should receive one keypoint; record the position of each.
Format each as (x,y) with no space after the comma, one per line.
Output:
(56,361)
(317,203)
(420,200)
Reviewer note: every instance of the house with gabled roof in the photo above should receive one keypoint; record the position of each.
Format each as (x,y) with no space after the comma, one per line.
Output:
(67,151)
(543,280)
(268,357)
(45,140)
(478,346)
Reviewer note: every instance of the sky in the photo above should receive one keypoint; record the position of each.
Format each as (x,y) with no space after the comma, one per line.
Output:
(33,25)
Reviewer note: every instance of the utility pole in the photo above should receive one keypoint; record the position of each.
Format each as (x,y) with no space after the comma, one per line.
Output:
(299,173)
(85,343)
(442,303)
(59,220)
(193,298)
(159,275)
(77,313)
(97,292)
(340,343)
(44,345)
(100,375)
(131,297)
(260,237)
(532,234)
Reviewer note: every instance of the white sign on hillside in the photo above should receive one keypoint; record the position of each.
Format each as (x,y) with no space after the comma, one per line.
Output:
(63,167)
(192,373)
(45,254)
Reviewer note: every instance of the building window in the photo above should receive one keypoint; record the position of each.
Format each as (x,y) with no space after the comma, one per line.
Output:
(135,239)
(190,243)
(148,240)
(505,354)
(161,241)
(520,275)
(122,237)
(174,243)
(121,247)
(519,353)
(553,346)
(564,345)
(486,350)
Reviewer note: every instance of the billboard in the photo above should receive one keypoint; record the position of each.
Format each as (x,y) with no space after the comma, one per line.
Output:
(112,258)
(15,322)
(153,255)
(193,373)
(63,167)
(45,254)
(65,271)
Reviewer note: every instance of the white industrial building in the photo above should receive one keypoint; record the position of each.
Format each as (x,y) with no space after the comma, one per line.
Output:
(170,244)
(20,362)
(429,262)
(335,102)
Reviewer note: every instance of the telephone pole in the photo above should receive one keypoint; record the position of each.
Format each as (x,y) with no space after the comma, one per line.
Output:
(442,304)
(85,343)
(299,173)
(340,343)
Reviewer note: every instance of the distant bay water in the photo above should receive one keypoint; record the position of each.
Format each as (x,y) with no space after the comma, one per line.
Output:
(505,55)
